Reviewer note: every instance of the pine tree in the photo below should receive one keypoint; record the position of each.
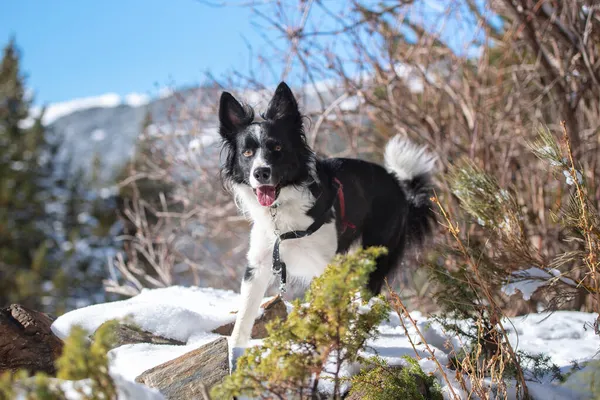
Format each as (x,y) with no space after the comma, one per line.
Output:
(23,244)
(147,158)
(328,329)
(55,232)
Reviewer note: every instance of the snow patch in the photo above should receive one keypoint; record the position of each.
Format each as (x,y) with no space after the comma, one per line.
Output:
(165,92)
(127,389)
(98,135)
(175,312)
(55,111)
(207,137)
(569,177)
(527,282)
(530,280)
(137,99)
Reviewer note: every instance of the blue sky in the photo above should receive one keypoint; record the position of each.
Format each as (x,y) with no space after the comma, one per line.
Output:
(80,48)
(83,48)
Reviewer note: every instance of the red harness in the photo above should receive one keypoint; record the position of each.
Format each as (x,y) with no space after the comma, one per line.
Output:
(340,193)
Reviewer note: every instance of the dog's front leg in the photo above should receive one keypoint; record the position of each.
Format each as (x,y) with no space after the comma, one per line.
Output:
(255,283)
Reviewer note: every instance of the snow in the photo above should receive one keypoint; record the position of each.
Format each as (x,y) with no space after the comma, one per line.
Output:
(125,390)
(411,77)
(98,135)
(190,314)
(566,336)
(569,177)
(528,281)
(585,381)
(165,92)
(108,192)
(176,312)
(17,165)
(206,137)
(184,314)
(137,99)
(55,111)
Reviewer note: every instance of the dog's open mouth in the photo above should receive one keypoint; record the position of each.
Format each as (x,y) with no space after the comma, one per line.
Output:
(266,195)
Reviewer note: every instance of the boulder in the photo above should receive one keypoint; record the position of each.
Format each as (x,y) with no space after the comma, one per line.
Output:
(26,341)
(124,333)
(273,309)
(191,375)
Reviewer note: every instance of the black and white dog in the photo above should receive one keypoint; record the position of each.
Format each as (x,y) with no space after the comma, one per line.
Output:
(323,207)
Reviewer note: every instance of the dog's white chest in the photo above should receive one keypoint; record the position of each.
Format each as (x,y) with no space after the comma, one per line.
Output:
(305,257)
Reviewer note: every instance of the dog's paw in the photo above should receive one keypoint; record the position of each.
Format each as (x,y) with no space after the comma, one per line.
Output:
(234,354)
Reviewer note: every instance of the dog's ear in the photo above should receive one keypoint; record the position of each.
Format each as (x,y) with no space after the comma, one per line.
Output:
(283,104)
(233,115)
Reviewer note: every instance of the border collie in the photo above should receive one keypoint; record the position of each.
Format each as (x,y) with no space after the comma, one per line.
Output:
(323,206)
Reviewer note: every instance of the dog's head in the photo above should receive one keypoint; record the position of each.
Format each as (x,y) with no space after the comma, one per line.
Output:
(266,155)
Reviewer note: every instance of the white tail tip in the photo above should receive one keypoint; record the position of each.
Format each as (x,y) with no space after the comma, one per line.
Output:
(407,160)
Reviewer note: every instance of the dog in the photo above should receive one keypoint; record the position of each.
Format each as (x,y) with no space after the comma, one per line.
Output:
(305,210)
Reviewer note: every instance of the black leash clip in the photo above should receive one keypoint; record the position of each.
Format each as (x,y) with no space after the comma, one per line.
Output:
(279,267)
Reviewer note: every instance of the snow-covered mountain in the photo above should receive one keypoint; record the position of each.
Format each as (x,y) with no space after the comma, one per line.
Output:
(106,127)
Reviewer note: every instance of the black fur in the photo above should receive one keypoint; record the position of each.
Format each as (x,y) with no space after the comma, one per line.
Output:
(385,211)
(249,273)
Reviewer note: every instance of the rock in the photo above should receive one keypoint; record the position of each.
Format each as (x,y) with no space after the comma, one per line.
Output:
(26,341)
(131,334)
(192,374)
(273,309)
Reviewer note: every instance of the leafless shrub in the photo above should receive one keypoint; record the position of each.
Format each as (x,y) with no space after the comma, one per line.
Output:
(180,225)
(470,80)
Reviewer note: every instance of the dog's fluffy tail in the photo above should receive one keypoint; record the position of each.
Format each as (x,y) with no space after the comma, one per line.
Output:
(412,165)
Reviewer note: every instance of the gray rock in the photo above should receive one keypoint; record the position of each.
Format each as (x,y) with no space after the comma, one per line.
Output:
(272,310)
(130,334)
(192,374)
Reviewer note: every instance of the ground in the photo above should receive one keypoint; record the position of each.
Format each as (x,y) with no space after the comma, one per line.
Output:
(190,314)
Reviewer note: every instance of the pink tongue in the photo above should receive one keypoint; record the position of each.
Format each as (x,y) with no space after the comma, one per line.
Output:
(266,195)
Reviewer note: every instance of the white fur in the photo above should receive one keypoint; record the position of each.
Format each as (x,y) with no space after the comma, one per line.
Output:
(258,162)
(257,132)
(355,246)
(407,160)
(251,293)
(305,258)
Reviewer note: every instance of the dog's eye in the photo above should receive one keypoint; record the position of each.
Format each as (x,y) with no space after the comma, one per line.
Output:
(277,148)
(248,153)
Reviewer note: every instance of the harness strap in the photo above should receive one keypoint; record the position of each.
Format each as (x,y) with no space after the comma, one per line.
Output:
(340,192)
(279,267)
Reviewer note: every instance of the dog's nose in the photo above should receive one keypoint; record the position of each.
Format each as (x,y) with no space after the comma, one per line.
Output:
(262,175)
